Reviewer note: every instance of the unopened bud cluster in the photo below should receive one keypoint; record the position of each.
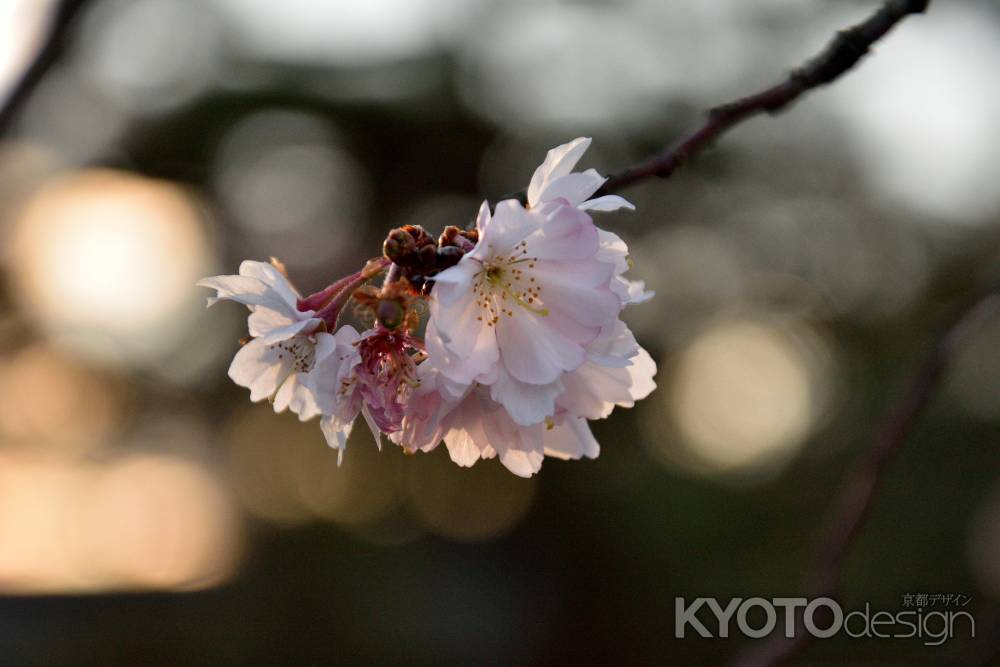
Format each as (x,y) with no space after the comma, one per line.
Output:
(420,257)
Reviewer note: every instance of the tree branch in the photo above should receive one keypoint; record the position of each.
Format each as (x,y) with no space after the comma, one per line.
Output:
(857,493)
(840,55)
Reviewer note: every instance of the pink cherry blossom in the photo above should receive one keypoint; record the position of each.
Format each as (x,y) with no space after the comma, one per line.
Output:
(475,427)
(524,343)
(518,310)
(617,372)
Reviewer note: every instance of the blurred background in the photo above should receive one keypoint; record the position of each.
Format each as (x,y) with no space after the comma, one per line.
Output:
(149,514)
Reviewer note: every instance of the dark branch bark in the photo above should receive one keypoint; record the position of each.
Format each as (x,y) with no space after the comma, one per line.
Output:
(857,493)
(840,55)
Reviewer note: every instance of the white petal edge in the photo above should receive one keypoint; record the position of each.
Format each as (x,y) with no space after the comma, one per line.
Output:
(607,203)
(559,161)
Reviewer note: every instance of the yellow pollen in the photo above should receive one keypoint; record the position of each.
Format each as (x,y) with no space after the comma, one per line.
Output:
(494,274)
(501,281)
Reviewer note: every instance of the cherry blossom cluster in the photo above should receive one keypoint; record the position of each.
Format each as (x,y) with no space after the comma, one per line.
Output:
(500,341)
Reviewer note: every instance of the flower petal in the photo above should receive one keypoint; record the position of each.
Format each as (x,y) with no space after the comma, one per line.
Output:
(613,250)
(258,367)
(272,327)
(453,283)
(641,372)
(465,436)
(558,162)
(295,394)
(479,361)
(519,447)
(483,217)
(591,308)
(521,462)
(462,447)
(571,439)
(562,233)
(527,404)
(373,427)
(235,288)
(336,433)
(423,426)
(249,291)
(574,188)
(617,372)
(511,223)
(573,274)
(335,357)
(592,391)
(464,333)
(606,203)
(631,292)
(270,276)
(533,352)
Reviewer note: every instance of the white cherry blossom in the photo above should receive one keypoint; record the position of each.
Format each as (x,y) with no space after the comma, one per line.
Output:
(283,343)
(291,360)
(271,298)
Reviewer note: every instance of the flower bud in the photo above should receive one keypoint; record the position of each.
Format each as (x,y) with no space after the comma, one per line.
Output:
(399,246)
(448,256)
(459,238)
(471,235)
(390,313)
(419,234)
(426,259)
(448,236)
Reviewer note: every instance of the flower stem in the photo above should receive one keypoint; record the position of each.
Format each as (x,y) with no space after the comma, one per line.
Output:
(393,275)
(330,301)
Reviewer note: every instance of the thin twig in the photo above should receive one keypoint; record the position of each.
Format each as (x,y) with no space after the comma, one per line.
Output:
(854,500)
(841,54)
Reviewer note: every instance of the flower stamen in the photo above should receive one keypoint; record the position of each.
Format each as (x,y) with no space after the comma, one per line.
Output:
(498,282)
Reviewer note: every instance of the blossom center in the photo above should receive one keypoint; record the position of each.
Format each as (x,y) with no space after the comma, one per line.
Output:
(298,351)
(505,281)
